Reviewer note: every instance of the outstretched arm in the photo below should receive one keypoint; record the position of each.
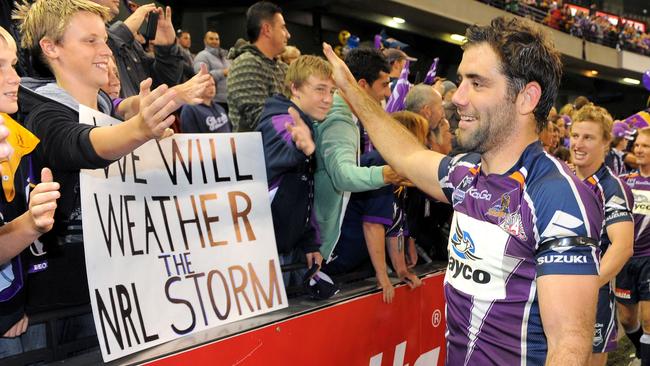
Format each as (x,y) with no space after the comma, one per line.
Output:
(400,148)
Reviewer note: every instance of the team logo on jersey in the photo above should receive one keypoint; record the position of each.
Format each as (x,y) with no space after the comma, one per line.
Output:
(459,193)
(641,202)
(480,195)
(598,335)
(562,224)
(513,225)
(463,245)
(501,208)
(616,203)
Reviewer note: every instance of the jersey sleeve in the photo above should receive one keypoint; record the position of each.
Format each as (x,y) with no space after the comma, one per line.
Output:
(619,202)
(565,207)
(453,169)
(575,260)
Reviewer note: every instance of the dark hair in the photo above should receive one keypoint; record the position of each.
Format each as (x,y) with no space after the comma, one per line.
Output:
(366,63)
(259,12)
(526,55)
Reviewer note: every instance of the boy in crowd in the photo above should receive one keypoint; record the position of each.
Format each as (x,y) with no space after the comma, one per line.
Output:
(205,117)
(20,225)
(289,152)
(70,37)
(590,132)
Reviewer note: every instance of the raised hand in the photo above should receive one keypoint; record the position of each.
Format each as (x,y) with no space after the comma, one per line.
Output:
(300,133)
(155,112)
(165,34)
(340,72)
(194,90)
(135,20)
(42,202)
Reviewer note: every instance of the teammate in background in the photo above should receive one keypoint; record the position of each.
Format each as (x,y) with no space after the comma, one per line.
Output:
(590,135)
(632,293)
(522,281)
(20,225)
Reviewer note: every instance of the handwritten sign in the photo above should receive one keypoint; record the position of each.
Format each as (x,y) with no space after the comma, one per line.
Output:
(178,237)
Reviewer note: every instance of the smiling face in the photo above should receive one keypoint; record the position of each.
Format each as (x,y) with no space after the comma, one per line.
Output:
(80,59)
(587,146)
(9,79)
(487,113)
(314,97)
(642,150)
(112,88)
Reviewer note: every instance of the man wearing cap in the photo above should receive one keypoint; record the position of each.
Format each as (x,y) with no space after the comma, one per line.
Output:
(397,59)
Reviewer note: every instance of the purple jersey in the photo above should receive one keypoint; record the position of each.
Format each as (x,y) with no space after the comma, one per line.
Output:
(616,198)
(495,253)
(641,190)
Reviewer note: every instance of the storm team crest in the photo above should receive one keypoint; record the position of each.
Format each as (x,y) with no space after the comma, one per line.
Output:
(463,245)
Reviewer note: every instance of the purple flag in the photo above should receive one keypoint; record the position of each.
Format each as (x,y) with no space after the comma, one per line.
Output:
(378,41)
(431,74)
(396,101)
(638,120)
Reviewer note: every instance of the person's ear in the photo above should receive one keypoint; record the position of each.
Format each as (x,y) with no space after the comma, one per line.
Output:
(529,97)
(49,48)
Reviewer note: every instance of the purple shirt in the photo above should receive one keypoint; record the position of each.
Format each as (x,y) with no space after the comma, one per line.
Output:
(641,190)
(499,223)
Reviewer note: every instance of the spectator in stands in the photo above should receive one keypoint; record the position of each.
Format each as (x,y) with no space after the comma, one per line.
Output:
(338,146)
(290,162)
(580,102)
(440,138)
(133,63)
(372,221)
(113,86)
(21,225)
(426,101)
(184,42)
(218,64)
(70,37)
(396,59)
(256,74)
(290,54)
(205,117)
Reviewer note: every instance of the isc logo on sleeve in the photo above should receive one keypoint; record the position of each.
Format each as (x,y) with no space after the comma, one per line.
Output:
(477,264)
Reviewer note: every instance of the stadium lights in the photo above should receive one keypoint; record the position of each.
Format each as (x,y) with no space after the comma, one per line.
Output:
(399,20)
(631,81)
(458,38)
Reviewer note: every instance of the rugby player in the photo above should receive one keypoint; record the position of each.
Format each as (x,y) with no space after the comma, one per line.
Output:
(589,138)
(522,281)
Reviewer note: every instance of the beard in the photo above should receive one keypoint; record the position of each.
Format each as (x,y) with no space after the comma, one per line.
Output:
(494,129)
